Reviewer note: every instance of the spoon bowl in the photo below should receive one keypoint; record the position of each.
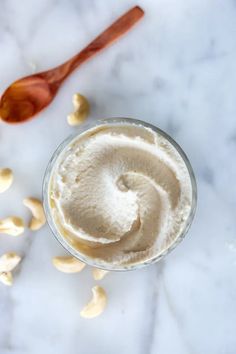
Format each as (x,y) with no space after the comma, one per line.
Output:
(24,98)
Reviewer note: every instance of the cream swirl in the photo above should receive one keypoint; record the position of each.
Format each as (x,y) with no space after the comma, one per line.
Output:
(120,194)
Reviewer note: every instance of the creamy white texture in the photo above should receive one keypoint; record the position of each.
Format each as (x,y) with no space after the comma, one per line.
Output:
(120,194)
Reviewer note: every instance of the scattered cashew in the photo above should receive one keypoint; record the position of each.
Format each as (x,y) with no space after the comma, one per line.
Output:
(35,206)
(81,110)
(12,226)
(68,264)
(6,278)
(99,274)
(6,179)
(97,305)
(9,261)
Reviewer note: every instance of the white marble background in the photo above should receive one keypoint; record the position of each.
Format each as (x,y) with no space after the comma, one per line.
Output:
(177,70)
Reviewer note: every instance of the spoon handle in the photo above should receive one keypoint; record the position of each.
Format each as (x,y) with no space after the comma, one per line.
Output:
(111,34)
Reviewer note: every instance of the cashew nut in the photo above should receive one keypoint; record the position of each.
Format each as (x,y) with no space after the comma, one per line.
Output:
(9,261)
(12,226)
(35,206)
(81,110)
(97,305)
(99,274)
(6,278)
(68,264)
(6,179)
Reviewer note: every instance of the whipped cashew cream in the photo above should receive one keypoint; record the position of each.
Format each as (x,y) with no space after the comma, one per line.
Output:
(120,194)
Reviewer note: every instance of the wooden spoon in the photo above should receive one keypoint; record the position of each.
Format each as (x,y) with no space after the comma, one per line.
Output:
(28,96)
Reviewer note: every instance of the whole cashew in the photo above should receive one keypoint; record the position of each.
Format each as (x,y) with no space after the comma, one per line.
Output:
(6,278)
(97,305)
(35,206)
(12,226)
(81,110)
(99,274)
(6,179)
(9,261)
(68,264)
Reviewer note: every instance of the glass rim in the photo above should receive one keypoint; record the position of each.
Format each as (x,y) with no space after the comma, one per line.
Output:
(62,240)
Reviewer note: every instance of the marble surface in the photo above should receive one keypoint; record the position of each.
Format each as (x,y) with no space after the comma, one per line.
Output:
(176,70)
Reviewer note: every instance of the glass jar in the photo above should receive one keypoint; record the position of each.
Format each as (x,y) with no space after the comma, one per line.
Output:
(46,189)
